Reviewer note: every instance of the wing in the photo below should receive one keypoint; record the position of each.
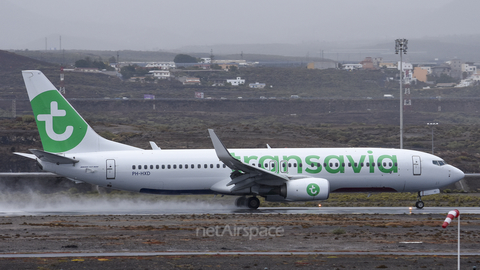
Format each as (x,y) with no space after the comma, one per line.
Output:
(244,175)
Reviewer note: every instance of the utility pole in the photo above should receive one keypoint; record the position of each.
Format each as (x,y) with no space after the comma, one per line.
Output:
(401,47)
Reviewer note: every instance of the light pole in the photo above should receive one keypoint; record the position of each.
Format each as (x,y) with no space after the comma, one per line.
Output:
(432,125)
(401,47)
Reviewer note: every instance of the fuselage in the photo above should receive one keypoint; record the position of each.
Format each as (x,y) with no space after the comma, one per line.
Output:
(196,171)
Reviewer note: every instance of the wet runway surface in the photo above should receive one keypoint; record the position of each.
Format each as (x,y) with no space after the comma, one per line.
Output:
(185,209)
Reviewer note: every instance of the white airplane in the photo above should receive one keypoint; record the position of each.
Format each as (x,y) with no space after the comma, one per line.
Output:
(72,149)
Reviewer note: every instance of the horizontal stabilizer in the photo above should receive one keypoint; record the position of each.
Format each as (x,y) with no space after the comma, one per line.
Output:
(53,158)
(27,174)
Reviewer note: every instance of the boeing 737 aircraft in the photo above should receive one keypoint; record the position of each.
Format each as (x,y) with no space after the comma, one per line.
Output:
(72,149)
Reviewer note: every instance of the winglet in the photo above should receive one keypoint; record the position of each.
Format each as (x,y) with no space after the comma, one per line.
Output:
(222,152)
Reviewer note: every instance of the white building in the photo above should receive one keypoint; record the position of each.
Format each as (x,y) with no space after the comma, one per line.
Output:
(352,66)
(469,69)
(257,85)
(206,60)
(160,74)
(236,82)
(162,65)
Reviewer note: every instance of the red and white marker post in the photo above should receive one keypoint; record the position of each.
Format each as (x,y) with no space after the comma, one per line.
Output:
(451,215)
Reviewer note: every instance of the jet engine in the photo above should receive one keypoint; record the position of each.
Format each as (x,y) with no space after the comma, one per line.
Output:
(306,189)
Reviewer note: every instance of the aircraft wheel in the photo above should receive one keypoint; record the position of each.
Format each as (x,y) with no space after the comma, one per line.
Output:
(419,205)
(253,202)
(240,201)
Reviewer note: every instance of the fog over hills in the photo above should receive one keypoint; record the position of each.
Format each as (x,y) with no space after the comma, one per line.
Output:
(344,29)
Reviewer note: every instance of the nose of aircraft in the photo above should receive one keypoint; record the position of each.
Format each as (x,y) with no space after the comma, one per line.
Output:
(456,174)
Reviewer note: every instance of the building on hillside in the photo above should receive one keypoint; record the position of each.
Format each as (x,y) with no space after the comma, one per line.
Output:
(189,80)
(351,66)
(160,74)
(420,74)
(89,69)
(227,66)
(446,85)
(162,65)
(206,60)
(236,82)
(218,83)
(257,85)
(456,68)
(322,65)
(388,65)
(441,69)
(137,79)
(368,64)
(238,62)
(470,70)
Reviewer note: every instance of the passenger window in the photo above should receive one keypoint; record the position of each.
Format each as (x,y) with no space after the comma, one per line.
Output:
(205,166)
(355,164)
(211,166)
(324,164)
(318,164)
(361,164)
(368,164)
(336,164)
(174,166)
(390,164)
(168,166)
(224,166)
(163,166)
(343,164)
(349,164)
(313,164)
(294,165)
(218,166)
(157,167)
(145,167)
(289,165)
(180,166)
(192,166)
(133,167)
(139,167)
(199,166)
(151,167)
(300,165)
(331,164)
(186,166)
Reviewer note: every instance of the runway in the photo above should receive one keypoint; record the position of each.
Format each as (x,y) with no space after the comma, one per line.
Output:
(241,253)
(233,210)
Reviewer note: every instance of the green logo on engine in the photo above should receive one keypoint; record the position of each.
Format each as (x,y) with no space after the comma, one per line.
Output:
(313,189)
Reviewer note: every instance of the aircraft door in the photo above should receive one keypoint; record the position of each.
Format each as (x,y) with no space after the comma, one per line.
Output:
(417,165)
(110,169)
(272,166)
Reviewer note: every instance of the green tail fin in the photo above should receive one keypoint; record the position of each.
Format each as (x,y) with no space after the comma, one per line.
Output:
(61,128)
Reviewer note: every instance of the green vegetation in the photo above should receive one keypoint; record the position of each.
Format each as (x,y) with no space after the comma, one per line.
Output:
(184,58)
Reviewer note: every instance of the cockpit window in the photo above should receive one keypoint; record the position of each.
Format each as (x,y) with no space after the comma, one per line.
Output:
(438,162)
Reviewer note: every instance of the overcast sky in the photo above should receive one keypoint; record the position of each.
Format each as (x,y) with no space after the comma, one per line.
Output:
(172,24)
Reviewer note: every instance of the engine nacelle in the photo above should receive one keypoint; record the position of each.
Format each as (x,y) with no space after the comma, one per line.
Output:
(306,189)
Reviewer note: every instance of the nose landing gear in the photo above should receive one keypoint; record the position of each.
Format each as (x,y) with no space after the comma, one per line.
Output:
(419,204)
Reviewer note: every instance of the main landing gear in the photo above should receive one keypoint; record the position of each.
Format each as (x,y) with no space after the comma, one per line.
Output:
(251,202)
(419,204)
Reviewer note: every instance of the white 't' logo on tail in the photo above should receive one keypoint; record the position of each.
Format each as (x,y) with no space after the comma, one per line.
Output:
(48,119)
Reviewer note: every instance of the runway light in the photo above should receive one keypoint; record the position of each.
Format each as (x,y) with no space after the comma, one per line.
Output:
(319,205)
